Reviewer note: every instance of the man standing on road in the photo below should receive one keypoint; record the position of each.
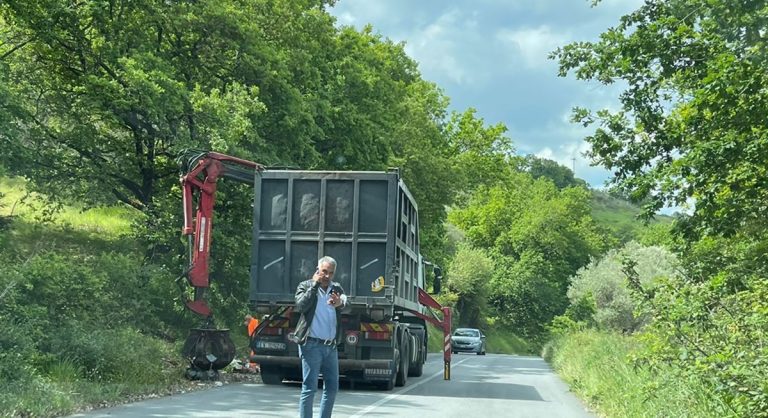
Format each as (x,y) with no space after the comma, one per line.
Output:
(319,301)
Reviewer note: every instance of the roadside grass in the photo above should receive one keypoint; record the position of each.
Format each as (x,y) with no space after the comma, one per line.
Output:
(17,202)
(502,341)
(53,397)
(88,369)
(598,367)
(71,229)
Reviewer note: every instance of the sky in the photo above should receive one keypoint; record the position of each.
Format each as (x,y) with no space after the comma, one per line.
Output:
(491,55)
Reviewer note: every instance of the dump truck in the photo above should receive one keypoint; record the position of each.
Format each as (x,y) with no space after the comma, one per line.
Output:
(369,223)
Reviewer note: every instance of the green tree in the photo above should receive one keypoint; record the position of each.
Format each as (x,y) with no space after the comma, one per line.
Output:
(539,237)
(107,93)
(482,154)
(562,176)
(691,122)
(469,276)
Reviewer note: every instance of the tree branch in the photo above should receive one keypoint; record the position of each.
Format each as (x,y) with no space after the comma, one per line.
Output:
(15,48)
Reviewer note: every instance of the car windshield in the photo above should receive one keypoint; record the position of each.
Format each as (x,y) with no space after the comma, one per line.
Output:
(467,333)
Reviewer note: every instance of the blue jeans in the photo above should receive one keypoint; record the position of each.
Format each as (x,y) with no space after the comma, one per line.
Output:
(317,358)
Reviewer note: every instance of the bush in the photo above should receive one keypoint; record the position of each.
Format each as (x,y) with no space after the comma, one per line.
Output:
(469,273)
(715,337)
(112,355)
(603,284)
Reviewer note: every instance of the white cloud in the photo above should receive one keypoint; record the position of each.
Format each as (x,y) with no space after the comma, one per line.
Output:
(533,44)
(346,18)
(436,50)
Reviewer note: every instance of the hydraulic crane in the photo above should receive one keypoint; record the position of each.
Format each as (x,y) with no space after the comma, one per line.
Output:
(207,348)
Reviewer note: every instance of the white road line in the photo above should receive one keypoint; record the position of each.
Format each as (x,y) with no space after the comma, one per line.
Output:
(401,392)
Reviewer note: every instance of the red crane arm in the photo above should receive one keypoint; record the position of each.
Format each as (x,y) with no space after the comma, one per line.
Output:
(199,186)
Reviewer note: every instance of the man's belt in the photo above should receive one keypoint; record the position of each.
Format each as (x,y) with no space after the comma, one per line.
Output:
(322,341)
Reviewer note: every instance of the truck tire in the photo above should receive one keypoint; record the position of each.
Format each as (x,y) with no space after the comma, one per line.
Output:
(417,369)
(405,360)
(271,375)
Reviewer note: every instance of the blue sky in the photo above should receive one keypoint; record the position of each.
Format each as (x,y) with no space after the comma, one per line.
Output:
(492,55)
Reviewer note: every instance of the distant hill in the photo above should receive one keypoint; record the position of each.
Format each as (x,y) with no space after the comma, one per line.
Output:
(621,216)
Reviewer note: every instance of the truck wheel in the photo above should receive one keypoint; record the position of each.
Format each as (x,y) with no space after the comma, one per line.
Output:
(417,369)
(405,360)
(271,375)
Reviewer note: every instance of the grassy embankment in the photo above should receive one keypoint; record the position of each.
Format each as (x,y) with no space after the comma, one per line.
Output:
(599,368)
(71,311)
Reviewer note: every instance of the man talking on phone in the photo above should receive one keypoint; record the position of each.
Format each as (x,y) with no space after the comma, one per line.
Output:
(319,301)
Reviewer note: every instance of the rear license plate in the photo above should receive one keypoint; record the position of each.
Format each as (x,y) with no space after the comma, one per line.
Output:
(269,345)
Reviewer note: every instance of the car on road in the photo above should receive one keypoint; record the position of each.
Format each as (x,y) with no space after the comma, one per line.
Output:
(468,340)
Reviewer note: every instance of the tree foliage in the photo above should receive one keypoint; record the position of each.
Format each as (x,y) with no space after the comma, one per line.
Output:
(539,236)
(469,278)
(562,176)
(603,283)
(105,94)
(691,121)
(482,154)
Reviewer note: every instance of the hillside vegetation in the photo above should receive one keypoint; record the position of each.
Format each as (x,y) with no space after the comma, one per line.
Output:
(623,218)
(81,312)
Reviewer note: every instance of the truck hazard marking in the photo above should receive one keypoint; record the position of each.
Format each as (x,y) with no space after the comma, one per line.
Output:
(373,327)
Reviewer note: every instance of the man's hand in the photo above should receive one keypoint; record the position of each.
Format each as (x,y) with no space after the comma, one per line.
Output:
(317,276)
(335,300)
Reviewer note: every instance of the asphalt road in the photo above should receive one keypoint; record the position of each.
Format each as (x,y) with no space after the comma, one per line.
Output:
(480,386)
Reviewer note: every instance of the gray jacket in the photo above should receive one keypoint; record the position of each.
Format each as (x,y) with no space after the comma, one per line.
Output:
(306,301)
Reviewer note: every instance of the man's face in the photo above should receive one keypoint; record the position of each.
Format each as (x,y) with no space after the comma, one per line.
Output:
(325,271)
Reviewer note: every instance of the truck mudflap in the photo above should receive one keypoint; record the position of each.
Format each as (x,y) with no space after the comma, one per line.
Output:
(344,364)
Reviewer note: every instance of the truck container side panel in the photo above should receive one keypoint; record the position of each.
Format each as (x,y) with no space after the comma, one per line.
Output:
(271,263)
(274,205)
(303,259)
(342,253)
